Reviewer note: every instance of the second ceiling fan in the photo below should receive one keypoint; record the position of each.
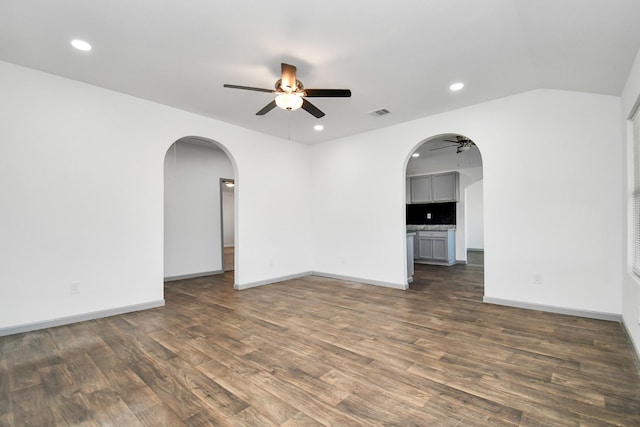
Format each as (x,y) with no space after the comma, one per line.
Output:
(462,144)
(291,94)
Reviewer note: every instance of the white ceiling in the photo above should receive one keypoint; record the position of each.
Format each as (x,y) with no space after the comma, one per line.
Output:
(400,55)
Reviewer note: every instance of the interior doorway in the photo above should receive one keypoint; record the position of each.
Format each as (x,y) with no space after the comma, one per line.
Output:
(474,217)
(227,209)
(432,208)
(194,231)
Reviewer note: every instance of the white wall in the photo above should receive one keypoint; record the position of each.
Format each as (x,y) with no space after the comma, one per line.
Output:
(552,200)
(192,214)
(630,283)
(475,215)
(81,184)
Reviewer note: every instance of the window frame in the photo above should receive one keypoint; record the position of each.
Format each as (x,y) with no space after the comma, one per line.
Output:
(635,193)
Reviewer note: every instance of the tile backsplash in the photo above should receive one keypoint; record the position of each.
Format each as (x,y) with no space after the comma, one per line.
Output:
(431,213)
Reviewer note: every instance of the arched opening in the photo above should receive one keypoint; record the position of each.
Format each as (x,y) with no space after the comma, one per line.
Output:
(200,180)
(444,208)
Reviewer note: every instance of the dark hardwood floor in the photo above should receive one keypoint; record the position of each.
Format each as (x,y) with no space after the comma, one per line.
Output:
(229,256)
(315,351)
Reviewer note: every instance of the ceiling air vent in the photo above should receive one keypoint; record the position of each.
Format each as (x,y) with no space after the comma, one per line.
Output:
(380,112)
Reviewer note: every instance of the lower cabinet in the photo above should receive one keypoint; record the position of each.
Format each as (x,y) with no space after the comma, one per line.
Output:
(435,247)
(410,256)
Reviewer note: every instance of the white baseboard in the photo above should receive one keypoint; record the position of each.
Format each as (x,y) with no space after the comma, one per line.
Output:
(193,275)
(612,317)
(321,274)
(52,323)
(402,286)
(270,281)
(445,263)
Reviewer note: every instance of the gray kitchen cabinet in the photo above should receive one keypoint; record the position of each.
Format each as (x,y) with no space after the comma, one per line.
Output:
(444,187)
(425,246)
(439,249)
(436,188)
(421,189)
(436,247)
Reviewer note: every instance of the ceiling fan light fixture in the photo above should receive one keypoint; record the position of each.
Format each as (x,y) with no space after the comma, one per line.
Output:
(289,101)
(291,95)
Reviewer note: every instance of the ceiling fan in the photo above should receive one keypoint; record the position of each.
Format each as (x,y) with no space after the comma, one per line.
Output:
(291,94)
(462,143)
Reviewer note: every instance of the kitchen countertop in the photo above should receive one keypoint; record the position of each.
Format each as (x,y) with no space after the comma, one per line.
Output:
(435,227)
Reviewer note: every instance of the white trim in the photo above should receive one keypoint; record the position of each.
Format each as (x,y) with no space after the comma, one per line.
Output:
(429,262)
(612,317)
(401,286)
(28,327)
(193,275)
(635,191)
(270,281)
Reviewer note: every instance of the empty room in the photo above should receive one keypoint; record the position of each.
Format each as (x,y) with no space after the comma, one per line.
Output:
(278,213)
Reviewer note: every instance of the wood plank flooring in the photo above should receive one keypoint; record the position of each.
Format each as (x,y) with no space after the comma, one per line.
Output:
(229,255)
(315,351)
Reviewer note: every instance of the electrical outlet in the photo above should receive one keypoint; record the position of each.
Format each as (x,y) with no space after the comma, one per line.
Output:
(537,279)
(428,215)
(74,289)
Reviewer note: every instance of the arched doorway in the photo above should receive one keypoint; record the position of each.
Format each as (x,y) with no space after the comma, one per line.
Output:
(195,171)
(444,200)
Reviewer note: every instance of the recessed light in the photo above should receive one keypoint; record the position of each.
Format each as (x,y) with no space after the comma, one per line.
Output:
(81,45)
(318,128)
(415,155)
(456,86)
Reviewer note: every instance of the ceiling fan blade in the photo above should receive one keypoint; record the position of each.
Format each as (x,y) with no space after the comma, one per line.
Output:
(270,106)
(328,93)
(440,148)
(288,77)
(312,109)
(257,89)
(448,140)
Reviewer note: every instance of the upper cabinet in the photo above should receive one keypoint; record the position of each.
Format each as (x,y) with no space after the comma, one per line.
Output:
(421,189)
(444,187)
(441,187)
